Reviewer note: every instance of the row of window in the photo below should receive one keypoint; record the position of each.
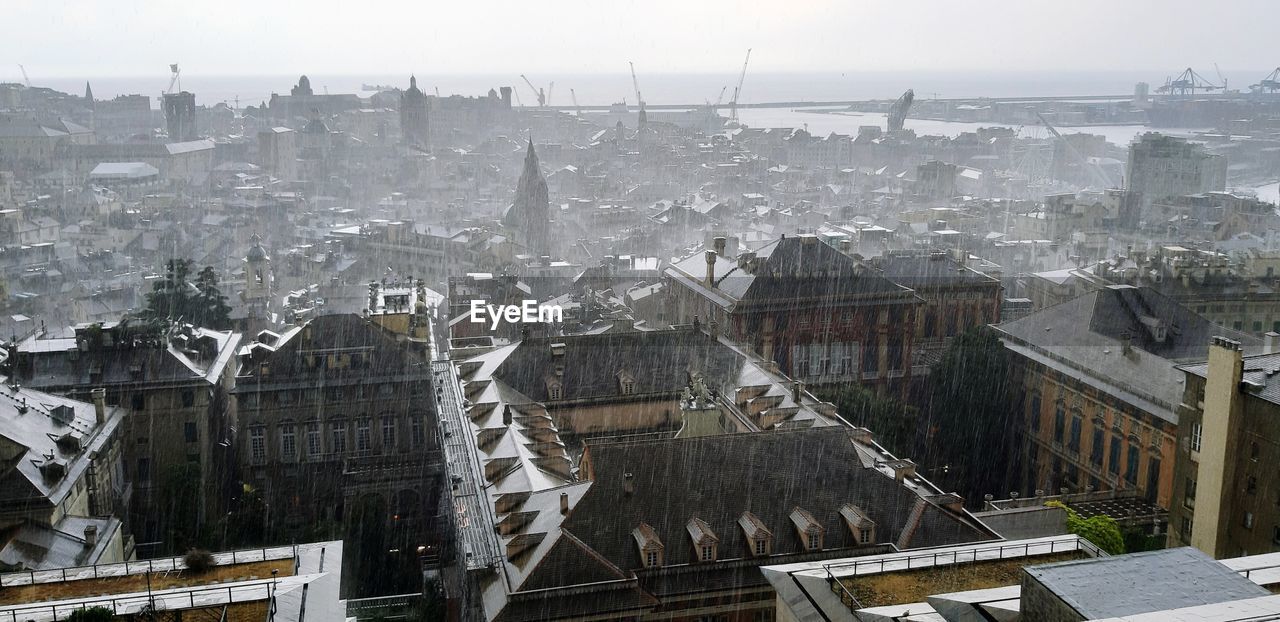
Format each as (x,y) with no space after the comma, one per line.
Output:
(844,358)
(331,394)
(1096,448)
(313,439)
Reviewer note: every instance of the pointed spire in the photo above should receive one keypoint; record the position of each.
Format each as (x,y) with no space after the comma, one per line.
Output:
(413,81)
(531,158)
(88,92)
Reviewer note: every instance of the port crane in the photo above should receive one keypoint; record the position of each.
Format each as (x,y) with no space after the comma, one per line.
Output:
(1099,176)
(1269,84)
(24,75)
(737,90)
(574,96)
(635,83)
(537,92)
(175,77)
(898,111)
(1187,83)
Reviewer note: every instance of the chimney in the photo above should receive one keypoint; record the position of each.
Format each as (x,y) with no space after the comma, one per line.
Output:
(902,469)
(1269,342)
(711,268)
(564,503)
(797,390)
(506,415)
(720,242)
(628,486)
(1221,432)
(99,404)
(91,536)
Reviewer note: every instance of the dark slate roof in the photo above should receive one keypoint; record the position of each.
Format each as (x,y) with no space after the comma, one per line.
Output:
(570,562)
(934,270)
(1126,585)
(717,478)
(1259,371)
(61,364)
(795,269)
(1107,316)
(288,361)
(658,362)
(624,597)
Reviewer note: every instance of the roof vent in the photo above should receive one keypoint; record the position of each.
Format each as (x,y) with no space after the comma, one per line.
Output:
(63,414)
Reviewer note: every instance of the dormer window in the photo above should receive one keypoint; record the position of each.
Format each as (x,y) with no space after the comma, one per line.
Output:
(808,528)
(703,539)
(861,527)
(555,391)
(649,545)
(759,538)
(626,383)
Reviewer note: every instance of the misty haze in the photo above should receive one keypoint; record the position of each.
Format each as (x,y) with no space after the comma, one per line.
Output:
(671,311)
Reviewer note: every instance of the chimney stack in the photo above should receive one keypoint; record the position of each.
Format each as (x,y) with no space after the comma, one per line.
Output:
(1269,342)
(99,405)
(628,486)
(720,243)
(564,503)
(711,268)
(91,536)
(506,415)
(1222,428)
(797,390)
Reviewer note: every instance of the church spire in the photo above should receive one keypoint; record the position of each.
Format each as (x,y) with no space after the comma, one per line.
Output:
(88,93)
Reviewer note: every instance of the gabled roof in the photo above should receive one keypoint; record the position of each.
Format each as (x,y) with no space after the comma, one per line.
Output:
(789,270)
(767,474)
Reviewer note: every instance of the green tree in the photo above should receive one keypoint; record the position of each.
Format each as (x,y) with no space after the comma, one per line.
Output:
(91,614)
(210,306)
(180,487)
(1102,531)
(893,423)
(176,298)
(972,420)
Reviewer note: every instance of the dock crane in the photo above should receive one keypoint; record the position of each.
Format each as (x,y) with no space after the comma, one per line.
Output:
(1187,83)
(636,84)
(537,92)
(1269,84)
(24,75)
(574,96)
(737,90)
(898,111)
(550,88)
(1099,176)
(720,97)
(175,78)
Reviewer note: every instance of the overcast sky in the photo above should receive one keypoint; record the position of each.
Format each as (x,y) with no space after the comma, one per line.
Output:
(59,38)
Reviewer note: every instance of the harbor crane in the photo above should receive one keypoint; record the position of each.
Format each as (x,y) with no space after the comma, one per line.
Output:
(636,84)
(550,88)
(737,90)
(175,77)
(898,111)
(1269,84)
(1187,83)
(720,97)
(24,75)
(574,96)
(537,92)
(1099,176)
